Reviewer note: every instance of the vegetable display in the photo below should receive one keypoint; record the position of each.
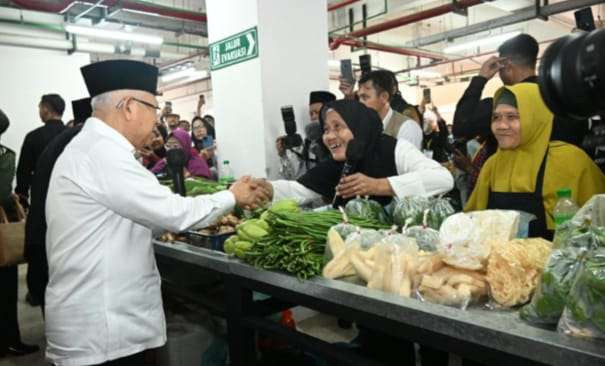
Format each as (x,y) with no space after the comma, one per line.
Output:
(295,241)
(410,211)
(548,302)
(584,314)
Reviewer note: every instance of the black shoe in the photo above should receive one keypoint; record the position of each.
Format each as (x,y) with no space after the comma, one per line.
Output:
(21,349)
(31,300)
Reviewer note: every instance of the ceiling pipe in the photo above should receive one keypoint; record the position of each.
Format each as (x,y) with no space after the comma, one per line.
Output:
(407,19)
(80,46)
(144,6)
(384,48)
(341,4)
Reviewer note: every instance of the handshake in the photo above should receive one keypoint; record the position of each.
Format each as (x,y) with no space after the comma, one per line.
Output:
(251,193)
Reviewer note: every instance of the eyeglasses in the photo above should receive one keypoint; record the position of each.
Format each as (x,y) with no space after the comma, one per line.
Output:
(147,104)
(508,117)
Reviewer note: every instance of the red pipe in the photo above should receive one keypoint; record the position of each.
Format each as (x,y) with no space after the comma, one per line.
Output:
(407,19)
(57,6)
(341,4)
(385,48)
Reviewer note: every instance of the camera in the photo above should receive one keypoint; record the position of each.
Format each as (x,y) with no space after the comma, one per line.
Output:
(292,139)
(572,75)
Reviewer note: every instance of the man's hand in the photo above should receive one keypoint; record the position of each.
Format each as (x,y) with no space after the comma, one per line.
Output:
(361,185)
(346,88)
(248,193)
(491,66)
(279,146)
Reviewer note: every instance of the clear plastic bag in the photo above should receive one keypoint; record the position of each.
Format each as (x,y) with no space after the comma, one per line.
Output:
(426,238)
(465,239)
(584,314)
(361,240)
(514,269)
(548,302)
(410,210)
(453,287)
(336,243)
(439,209)
(394,265)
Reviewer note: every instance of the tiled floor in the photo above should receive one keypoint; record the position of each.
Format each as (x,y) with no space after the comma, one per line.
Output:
(32,328)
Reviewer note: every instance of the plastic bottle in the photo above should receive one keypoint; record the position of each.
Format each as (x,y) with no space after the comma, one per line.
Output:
(566,208)
(226,174)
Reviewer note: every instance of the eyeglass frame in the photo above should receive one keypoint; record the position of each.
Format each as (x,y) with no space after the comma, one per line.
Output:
(147,104)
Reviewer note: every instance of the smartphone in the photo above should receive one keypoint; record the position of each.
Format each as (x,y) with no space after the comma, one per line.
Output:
(168,107)
(346,70)
(365,62)
(426,94)
(287,114)
(202,98)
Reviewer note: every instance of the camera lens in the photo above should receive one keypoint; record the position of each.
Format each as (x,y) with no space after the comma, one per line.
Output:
(572,75)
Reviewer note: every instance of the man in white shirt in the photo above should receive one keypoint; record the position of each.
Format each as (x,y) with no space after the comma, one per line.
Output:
(375,91)
(103,300)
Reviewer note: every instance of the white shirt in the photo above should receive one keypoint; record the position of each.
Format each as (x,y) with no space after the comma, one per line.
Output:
(410,130)
(103,299)
(418,176)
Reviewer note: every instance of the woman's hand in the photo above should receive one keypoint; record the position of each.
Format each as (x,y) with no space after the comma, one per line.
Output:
(361,185)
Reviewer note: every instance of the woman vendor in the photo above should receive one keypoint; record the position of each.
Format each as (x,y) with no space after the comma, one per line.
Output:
(196,166)
(527,170)
(388,167)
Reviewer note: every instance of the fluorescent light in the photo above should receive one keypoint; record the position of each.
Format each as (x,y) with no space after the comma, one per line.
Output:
(425,74)
(178,75)
(333,63)
(113,34)
(480,42)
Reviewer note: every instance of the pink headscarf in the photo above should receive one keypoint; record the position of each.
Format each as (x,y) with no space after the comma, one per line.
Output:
(196,166)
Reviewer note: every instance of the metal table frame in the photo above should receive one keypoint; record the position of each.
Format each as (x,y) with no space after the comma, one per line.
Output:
(492,337)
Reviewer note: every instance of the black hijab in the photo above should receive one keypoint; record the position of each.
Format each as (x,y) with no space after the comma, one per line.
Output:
(379,150)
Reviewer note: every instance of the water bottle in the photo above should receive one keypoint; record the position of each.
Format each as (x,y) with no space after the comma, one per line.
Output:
(566,208)
(226,176)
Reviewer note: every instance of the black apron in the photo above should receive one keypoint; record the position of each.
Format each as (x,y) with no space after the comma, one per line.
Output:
(530,202)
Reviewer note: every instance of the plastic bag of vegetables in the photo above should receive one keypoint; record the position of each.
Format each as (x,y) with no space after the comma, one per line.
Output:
(335,239)
(426,237)
(394,265)
(548,302)
(584,314)
(361,240)
(365,208)
(410,210)
(440,209)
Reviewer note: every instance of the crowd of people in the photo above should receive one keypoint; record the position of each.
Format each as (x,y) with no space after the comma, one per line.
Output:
(93,204)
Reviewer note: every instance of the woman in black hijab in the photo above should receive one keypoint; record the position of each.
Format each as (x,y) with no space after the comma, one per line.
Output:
(385,168)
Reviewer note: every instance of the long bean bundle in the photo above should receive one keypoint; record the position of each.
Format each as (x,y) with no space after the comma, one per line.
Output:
(297,240)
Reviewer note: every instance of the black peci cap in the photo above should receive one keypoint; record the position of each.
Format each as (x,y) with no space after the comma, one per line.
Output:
(81,109)
(105,76)
(321,97)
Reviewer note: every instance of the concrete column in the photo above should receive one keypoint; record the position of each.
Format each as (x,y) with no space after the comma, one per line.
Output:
(292,41)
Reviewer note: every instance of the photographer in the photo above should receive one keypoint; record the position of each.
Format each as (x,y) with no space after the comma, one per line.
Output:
(295,161)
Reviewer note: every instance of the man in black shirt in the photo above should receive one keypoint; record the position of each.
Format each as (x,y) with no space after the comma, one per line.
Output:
(516,64)
(51,109)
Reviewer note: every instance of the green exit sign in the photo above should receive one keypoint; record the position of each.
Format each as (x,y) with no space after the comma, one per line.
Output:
(233,50)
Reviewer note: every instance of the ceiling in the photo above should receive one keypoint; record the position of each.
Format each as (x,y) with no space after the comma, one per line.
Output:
(183,28)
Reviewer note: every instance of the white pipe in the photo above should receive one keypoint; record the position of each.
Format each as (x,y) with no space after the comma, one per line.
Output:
(20,30)
(20,15)
(81,46)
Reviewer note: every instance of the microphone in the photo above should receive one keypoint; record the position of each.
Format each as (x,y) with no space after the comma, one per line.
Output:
(354,154)
(175,159)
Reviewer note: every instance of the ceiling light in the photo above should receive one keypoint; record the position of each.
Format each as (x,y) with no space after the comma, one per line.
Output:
(178,75)
(480,42)
(113,34)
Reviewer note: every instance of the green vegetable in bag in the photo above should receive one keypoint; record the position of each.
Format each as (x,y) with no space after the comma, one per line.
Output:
(440,209)
(366,209)
(584,314)
(410,208)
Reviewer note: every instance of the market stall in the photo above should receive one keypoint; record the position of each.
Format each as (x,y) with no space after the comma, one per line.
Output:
(467,304)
